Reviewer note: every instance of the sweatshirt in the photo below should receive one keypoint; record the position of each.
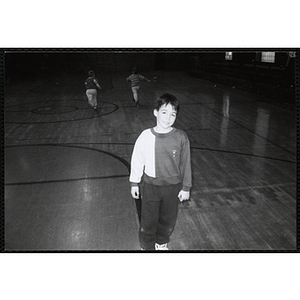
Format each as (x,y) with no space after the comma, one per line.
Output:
(163,159)
(91,83)
(135,79)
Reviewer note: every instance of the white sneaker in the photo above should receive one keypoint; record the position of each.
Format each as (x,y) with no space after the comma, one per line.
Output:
(161,247)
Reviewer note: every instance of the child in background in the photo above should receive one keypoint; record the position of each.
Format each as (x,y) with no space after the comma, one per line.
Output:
(135,78)
(161,156)
(91,85)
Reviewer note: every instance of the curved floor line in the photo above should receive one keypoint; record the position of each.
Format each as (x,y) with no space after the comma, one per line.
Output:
(123,161)
(46,101)
(198,148)
(116,107)
(245,154)
(220,114)
(56,101)
(67,180)
(132,144)
(127,165)
(54,113)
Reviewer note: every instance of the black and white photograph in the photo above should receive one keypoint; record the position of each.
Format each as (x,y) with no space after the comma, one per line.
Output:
(150,150)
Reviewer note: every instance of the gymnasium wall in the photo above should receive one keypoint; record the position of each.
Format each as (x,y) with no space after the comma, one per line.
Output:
(248,66)
(26,65)
(31,65)
(245,70)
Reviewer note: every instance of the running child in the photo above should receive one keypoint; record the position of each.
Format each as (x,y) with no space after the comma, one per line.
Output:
(91,85)
(135,78)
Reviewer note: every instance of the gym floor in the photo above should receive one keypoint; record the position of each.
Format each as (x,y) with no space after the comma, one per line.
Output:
(67,165)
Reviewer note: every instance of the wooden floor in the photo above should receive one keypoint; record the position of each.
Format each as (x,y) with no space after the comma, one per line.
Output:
(67,166)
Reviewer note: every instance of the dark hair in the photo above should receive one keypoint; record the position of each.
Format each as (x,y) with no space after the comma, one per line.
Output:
(91,73)
(166,99)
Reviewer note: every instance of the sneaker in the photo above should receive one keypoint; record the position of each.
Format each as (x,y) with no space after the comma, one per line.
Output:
(95,107)
(161,247)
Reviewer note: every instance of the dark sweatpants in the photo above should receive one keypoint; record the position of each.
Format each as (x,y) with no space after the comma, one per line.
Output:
(158,215)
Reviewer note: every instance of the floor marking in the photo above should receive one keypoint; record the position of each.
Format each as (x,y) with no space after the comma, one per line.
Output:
(243,188)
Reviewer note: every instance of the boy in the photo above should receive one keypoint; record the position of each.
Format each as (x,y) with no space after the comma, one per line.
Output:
(135,78)
(162,156)
(91,85)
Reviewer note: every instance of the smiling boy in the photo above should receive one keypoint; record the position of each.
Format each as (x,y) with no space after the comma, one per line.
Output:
(161,156)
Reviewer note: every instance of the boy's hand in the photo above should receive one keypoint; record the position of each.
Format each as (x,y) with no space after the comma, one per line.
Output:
(135,192)
(183,196)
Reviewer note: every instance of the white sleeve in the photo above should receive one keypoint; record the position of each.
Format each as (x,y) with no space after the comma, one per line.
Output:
(137,161)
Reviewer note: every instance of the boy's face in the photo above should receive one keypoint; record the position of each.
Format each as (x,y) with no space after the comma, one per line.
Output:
(165,117)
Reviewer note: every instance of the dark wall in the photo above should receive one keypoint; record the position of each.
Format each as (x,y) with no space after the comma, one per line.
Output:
(29,65)
(242,58)
(245,65)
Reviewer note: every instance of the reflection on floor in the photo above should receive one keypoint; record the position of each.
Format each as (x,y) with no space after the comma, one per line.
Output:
(67,166)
